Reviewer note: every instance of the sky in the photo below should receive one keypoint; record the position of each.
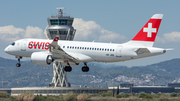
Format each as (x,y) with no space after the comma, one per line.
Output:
(115,21)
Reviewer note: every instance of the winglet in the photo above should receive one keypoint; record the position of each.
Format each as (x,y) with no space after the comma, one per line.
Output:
(54,44)
(56,38)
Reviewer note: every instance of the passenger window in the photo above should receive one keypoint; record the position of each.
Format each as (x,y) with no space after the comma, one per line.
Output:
(77,47)
(82,47)
(100,49)
(85,48)
(107,49)
(72,47)
(113,49)
(63,46)
(103,49)
(67,46)
(110,49)
(88,48)
(97,48)
(92,48)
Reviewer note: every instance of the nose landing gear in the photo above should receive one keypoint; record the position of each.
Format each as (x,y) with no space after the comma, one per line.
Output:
(18,64)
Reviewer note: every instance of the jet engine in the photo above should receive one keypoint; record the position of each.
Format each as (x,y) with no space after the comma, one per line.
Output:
(40,58)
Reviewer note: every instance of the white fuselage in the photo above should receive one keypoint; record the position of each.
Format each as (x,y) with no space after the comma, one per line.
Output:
(98,52)
(44,52)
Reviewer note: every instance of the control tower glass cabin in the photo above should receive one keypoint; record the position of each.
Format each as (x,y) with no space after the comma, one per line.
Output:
(61,25)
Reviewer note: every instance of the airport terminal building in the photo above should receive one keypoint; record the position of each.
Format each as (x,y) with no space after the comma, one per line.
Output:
(129,88)
(53,91)
(93,90)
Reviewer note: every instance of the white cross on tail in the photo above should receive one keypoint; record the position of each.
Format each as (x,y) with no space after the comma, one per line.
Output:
(149,30)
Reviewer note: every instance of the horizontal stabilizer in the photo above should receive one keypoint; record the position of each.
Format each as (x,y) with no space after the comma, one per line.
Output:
(142,50)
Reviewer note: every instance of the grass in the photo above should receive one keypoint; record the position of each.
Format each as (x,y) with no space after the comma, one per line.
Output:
(103,96)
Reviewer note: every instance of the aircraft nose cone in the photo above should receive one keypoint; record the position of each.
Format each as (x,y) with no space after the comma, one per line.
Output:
(6,49)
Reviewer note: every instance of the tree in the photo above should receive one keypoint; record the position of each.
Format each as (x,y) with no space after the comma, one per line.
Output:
(117,90)
(113,91)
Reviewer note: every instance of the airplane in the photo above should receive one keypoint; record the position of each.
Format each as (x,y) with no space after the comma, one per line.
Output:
(45,51)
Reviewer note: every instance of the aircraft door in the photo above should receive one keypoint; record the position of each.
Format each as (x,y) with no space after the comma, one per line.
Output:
(24,45)
(118,51)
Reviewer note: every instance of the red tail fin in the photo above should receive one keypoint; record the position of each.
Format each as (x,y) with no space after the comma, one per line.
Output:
(149,31)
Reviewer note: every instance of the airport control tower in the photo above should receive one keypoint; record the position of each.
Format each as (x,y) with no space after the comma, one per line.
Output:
(60,25)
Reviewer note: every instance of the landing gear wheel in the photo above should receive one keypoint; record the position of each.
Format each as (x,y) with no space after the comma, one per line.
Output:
(68,68)
(18,65)
(85,68)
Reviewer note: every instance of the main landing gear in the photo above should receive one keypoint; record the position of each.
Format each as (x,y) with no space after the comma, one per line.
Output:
(85,68)
(18,64)
(68,68)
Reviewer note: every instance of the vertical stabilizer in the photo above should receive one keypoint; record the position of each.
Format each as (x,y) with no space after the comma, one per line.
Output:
(146,36)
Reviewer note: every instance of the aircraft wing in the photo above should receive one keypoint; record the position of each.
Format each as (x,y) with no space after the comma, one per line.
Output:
(80,57)
(55,49)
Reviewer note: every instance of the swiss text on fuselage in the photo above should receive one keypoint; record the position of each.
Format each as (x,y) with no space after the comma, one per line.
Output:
(38,45)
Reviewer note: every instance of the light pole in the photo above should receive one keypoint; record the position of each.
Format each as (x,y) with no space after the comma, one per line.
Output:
(93,81)
(113,87)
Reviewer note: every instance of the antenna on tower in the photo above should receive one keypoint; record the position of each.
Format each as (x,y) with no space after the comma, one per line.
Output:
(60,12)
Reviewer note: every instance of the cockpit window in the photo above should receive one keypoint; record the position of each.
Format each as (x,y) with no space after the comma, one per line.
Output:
(13,44)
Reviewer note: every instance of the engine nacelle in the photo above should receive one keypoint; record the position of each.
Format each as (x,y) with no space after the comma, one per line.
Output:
(40,58)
